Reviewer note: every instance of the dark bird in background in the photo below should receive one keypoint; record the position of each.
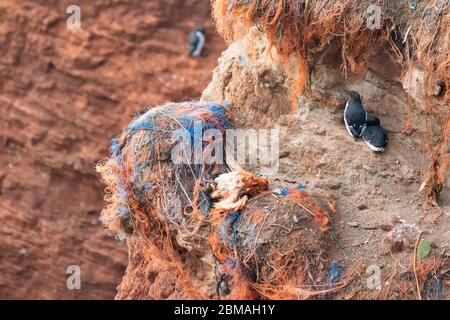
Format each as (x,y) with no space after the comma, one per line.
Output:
(355,115)
(373,134)
(196,42)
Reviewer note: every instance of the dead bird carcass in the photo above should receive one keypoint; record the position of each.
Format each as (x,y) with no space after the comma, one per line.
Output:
(180,244)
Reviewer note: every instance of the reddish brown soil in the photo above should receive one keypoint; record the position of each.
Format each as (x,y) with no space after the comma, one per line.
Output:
(63,95)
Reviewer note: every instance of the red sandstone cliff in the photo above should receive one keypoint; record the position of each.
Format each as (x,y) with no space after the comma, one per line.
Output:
(63,95)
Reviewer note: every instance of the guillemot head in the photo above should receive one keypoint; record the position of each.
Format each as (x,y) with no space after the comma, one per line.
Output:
(199,29)
(353,95)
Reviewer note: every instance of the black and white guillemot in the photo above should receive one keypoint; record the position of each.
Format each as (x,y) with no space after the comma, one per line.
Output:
(196,42)
(355,115)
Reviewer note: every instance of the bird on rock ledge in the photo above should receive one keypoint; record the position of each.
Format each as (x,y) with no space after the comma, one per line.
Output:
(360,124)
(374,135)
(355,115)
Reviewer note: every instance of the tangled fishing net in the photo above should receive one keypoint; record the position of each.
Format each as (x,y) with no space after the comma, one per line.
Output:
(415,34)
(271,248)
(275,247)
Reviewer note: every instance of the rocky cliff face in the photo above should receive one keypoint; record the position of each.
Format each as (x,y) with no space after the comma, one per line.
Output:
(374,191)
(63,95)
(380,211)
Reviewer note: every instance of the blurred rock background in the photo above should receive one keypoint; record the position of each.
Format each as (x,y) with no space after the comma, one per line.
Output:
(63,95)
